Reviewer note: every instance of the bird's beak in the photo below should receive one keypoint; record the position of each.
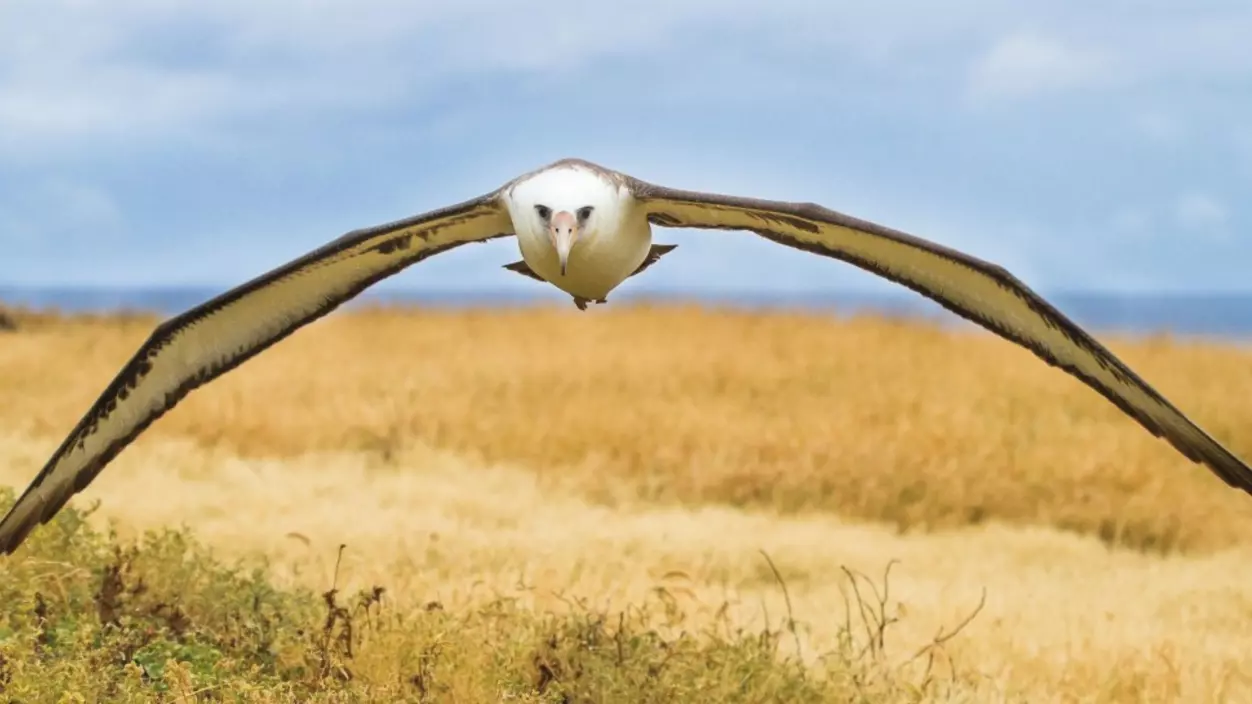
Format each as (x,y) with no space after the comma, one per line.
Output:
(564,232)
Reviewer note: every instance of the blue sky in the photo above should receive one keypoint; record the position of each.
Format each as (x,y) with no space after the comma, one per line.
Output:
(1082,145)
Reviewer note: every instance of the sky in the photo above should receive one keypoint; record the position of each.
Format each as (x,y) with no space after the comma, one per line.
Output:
(1082,145)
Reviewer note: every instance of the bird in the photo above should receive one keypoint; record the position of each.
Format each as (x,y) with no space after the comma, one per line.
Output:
(585,229)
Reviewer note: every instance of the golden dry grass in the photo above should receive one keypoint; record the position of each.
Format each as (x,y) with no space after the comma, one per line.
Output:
(463,455)
(883,420)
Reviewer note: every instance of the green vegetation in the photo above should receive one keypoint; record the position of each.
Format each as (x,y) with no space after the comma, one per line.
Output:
(87,618)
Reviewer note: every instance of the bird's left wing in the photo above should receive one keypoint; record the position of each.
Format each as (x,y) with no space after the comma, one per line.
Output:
(974,289)
(215,337)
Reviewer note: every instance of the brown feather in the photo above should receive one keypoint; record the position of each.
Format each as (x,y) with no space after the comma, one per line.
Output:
(521,267)
(972,288)
(654,255)
(217,336)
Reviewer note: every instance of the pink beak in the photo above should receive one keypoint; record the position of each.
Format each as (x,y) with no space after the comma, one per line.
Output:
(563,231)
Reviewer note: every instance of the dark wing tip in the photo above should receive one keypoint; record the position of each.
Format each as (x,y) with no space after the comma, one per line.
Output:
(1222,462)
(29,511)
(39,504)
(1183,434)
(55,484)
(14,535)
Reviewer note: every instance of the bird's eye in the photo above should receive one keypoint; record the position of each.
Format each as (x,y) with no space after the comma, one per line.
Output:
(543,210)
(584,212)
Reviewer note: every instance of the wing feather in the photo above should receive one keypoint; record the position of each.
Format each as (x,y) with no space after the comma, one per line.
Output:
(219,335)
(974,289)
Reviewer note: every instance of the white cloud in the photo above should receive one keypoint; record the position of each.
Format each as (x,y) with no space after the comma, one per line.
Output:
(1195,212)
(1159,127)
(73,70)
(98,82)
(1066,46)
(1200,212)
(115,99)
(70,68)
(1027,65)
(77,215)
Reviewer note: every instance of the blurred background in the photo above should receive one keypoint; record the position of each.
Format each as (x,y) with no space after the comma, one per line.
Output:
(153,154)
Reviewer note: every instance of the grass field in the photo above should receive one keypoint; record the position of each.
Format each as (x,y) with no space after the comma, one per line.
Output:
(579,489)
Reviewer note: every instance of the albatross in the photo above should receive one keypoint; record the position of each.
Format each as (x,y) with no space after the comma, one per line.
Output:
(585,229)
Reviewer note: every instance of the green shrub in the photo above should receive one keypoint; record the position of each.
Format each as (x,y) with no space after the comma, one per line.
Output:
(86,618)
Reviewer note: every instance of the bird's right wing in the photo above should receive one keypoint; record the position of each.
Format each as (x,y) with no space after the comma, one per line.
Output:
(219,335)
(976,290)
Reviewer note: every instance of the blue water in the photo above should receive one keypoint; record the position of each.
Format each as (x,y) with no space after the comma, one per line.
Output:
(1221,315)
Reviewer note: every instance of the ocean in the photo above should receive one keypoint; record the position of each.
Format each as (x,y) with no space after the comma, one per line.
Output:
(1226,316)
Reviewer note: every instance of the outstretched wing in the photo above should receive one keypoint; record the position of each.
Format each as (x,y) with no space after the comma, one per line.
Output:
(974,289)
(219,335)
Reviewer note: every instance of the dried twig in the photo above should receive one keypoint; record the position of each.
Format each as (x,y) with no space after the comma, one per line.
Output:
(791,622)
(941,637)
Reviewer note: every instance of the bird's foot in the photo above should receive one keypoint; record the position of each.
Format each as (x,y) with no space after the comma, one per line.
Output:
(582,302)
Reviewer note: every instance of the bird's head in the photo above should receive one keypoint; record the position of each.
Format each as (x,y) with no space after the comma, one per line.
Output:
(566,205)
